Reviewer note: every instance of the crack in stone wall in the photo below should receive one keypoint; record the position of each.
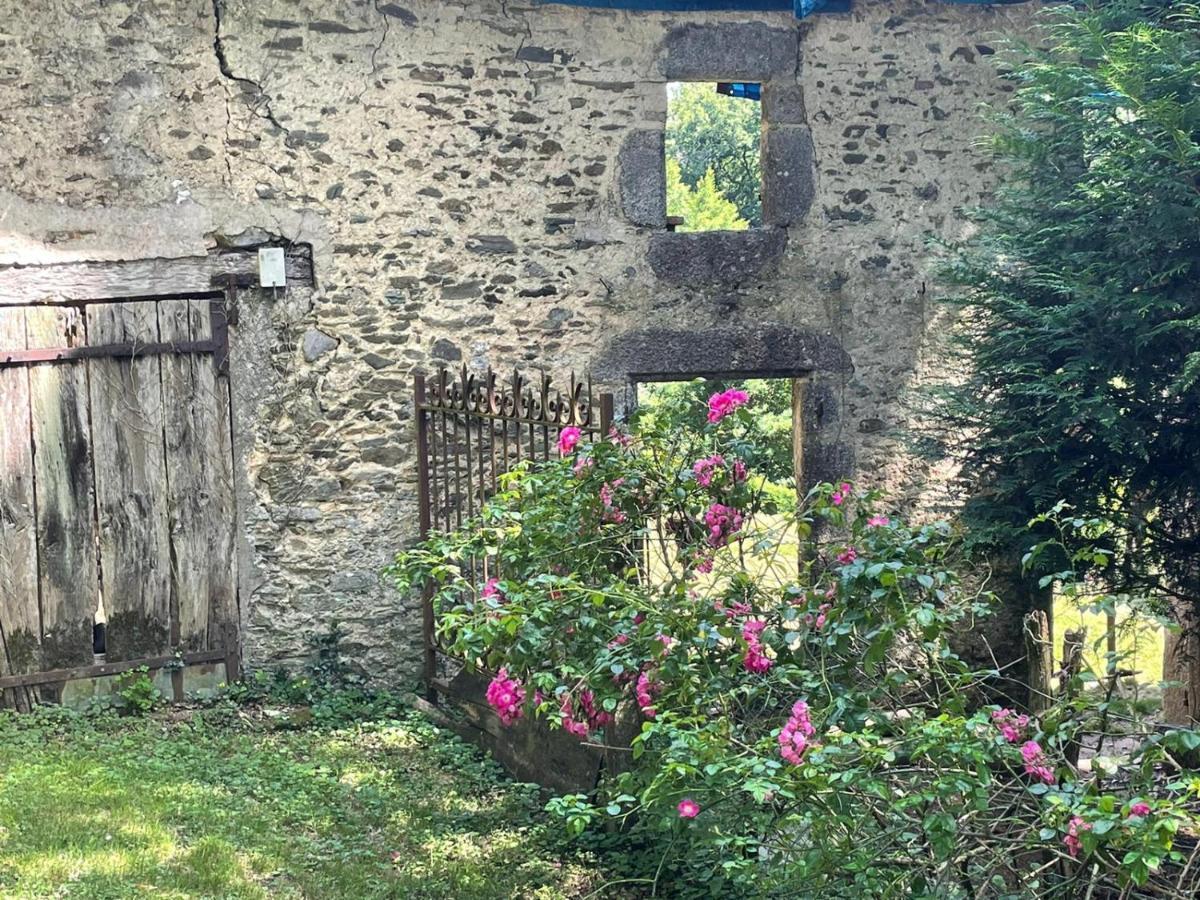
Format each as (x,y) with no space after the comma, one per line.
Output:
(262,105)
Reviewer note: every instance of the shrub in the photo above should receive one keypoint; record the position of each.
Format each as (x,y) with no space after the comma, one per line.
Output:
(134,692)
(802,726)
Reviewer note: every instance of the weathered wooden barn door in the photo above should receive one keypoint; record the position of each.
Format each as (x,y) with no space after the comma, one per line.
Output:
(116,492)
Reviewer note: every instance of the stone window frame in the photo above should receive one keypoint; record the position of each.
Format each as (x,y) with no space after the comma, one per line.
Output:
(818,361)
(753,52)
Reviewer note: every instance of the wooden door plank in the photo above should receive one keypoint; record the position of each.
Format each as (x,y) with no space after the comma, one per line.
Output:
(131,490)
(200,479)
(189,570)
(224,614)
(20,617)
(62,465)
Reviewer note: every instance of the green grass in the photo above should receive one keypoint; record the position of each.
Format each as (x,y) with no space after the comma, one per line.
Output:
(217,803)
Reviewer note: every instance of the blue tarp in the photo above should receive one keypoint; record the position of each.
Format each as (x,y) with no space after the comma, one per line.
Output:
(743,90)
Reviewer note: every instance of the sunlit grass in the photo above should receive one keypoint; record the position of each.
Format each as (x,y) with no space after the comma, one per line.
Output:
(220,806)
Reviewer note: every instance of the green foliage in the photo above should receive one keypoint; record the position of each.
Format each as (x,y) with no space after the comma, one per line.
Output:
(220,803)
(702,207)
(900,788)
(1080,325)
(329,691)
(714,138)
(135,693)
(764,440)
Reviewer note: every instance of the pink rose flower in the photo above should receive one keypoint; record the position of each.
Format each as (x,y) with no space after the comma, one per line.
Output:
(795,736)
(705,469)
(842,494)
(568,439)
(645,690)
(1072,836)
(722,521)
(619,437)
(756,659)
(688,808)
(506,696)
(1139,809)
(722,404)
(1035,762)
(878,521)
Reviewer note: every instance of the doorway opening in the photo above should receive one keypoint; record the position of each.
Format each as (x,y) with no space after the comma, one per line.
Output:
(762,447)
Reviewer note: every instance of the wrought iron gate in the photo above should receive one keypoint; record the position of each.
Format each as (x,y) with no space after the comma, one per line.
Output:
(471,429)
(116,492)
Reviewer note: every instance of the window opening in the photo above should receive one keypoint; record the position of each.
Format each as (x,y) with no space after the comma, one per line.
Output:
(713,165)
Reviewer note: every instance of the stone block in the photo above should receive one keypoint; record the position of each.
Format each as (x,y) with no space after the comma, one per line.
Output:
(762,350)
(316,344)
(788,174)
(723,257)
(750,51)
(783,103)
(529,750)
(643,179)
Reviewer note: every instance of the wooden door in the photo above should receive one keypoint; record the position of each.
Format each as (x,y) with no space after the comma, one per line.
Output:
(116,490)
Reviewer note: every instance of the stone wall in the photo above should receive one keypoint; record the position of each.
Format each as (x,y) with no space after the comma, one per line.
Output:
(478,180)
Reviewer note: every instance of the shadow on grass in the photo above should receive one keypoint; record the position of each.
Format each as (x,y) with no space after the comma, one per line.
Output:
(192,809)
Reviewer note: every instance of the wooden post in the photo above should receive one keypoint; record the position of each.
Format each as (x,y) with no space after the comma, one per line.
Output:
(1040,658)
(606,414)
(1072,664)
(131,493)
(68,565)
(20,626)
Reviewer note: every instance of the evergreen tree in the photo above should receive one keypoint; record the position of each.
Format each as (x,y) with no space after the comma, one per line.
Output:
(707,131)
(702,208)
(1080,314)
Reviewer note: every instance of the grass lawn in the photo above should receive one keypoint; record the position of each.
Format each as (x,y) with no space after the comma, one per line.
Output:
(219,803)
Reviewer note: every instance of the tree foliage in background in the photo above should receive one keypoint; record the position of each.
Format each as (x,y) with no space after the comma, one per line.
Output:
(703,207)
(1080,325)
(707,131)
(764,440)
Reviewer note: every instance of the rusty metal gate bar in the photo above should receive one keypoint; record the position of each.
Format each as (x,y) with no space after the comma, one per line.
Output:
(471,430)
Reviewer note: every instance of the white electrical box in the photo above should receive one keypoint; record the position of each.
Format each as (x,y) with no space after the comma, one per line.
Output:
(270,267)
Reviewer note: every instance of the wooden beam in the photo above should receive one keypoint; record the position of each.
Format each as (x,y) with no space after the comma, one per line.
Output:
(133,350)
(57,676)
(78,282)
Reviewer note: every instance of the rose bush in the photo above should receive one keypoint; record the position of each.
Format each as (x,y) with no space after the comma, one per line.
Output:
(802,727)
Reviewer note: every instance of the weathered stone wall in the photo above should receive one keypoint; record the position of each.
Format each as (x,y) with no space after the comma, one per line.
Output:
(459,169)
